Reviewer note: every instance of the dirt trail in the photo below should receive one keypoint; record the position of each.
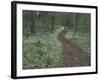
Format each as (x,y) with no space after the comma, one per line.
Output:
(73,56)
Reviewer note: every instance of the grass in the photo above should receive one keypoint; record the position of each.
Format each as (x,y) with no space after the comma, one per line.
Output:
(42,51)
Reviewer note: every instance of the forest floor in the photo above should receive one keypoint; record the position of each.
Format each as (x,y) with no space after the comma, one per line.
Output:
(73,55)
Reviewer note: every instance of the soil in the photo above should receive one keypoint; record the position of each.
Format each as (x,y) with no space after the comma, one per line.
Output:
(73,55)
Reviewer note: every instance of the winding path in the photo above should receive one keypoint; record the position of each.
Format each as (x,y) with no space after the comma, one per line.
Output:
(73,56)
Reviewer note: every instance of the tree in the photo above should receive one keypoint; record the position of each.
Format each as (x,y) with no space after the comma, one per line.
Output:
(33,21)
(52,22)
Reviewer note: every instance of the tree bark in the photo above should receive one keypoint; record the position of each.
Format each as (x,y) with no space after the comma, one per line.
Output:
(34,17)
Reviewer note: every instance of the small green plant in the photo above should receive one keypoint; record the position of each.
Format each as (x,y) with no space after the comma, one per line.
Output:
(42,51)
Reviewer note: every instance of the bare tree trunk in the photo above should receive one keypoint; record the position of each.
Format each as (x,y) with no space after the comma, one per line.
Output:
(52,22)
(34,17)
(75,26)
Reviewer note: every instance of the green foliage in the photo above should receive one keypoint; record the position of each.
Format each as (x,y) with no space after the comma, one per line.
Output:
(27,22)
(42,51)
(83,23)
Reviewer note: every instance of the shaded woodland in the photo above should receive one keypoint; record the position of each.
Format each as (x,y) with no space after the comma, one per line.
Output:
(41,45)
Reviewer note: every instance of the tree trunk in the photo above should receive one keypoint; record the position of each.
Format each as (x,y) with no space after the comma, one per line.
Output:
(34,17)
(52,23)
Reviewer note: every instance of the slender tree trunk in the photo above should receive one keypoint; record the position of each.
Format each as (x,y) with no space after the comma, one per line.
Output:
(52,23)
(34,17)
(74,18)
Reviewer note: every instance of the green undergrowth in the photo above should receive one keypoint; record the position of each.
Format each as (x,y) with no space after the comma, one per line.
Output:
(42,51)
